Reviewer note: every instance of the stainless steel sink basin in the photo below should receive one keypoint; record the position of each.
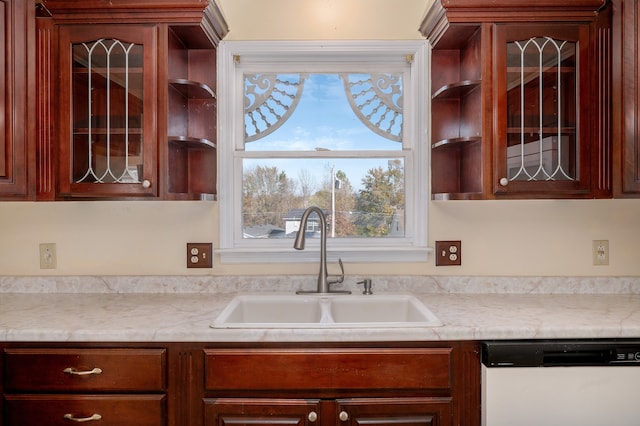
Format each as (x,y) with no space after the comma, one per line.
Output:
(325,311)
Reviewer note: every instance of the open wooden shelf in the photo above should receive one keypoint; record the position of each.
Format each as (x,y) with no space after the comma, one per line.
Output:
(192,89)
(196,143)
(456,90)
(456,117)
(191,118)
(455,142)
(457,196)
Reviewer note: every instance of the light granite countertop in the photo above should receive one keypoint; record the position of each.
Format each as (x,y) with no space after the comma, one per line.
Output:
(180,309)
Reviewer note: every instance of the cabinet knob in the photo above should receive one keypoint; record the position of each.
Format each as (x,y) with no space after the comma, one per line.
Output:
(313,416)
(343,416)
(146,183)
(504,181)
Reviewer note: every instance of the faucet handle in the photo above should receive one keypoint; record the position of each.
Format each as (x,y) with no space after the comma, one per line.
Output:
(339,278)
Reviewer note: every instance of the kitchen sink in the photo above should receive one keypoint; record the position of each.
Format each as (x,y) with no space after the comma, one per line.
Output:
(325,311)
(404,309)
(271,309)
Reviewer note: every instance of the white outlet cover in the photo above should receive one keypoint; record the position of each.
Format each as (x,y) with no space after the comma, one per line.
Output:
(600,250)
(48,257)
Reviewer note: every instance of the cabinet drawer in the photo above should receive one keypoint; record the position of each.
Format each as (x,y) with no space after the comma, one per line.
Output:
(83,370)
(113,410)
(332,369)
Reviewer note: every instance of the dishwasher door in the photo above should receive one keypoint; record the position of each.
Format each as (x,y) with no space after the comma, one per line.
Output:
(562,384)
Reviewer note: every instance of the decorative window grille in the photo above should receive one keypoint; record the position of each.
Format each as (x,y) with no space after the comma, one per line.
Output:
(270,99)
(377,100)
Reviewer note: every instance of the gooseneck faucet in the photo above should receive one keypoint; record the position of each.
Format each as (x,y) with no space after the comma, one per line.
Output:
(323,281)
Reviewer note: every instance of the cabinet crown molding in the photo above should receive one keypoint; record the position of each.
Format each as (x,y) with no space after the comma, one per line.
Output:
(204,13)
(445,12)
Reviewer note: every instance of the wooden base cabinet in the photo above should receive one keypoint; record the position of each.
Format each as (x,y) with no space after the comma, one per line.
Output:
(216,384)
(347,412)
(106,386)
(347,386)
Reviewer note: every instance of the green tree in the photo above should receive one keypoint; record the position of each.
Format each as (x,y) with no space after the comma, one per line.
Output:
(345,206)
(267,195)
(381,197)
(345,201)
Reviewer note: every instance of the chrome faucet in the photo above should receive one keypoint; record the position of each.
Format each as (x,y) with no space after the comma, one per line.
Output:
(323,280)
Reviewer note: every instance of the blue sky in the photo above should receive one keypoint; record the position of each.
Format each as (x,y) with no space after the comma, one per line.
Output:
(324,119)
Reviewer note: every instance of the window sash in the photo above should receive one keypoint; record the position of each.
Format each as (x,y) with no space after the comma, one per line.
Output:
(237,58)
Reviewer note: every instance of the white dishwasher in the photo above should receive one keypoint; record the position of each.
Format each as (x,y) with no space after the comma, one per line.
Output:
(561,383)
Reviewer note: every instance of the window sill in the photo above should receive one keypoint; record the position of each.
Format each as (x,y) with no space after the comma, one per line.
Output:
(386,254)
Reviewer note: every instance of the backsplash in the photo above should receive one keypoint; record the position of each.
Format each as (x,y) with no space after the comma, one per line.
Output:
(381,284)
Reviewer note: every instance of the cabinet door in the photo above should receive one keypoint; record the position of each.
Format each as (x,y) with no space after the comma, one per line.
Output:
(626,108)
(541,100)
(108,93)
(394,411)
(261,412)
(17,124)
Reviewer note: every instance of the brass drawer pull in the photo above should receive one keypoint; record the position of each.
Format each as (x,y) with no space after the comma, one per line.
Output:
(73,371)
(82,419)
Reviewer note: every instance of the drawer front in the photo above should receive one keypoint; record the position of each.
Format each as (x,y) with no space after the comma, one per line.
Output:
(84,370)
(103,410)
(332,369)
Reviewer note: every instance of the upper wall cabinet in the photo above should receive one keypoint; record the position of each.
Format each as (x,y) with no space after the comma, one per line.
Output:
(137,105)
(626,95)
(17,107)
(107,77)
(521,99)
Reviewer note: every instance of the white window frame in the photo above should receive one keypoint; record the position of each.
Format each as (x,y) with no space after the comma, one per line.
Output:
(237,57)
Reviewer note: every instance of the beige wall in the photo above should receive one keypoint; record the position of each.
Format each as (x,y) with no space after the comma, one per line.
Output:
(532,238)
(323,19)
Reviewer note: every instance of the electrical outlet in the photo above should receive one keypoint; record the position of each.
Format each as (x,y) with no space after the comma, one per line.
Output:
(448,253)
(199,255)
(600,250)
(48,257)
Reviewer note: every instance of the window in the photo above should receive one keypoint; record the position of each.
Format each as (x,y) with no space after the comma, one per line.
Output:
(339,125)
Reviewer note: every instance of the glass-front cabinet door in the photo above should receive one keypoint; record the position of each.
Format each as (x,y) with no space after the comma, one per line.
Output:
(542,94)
(108,140)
